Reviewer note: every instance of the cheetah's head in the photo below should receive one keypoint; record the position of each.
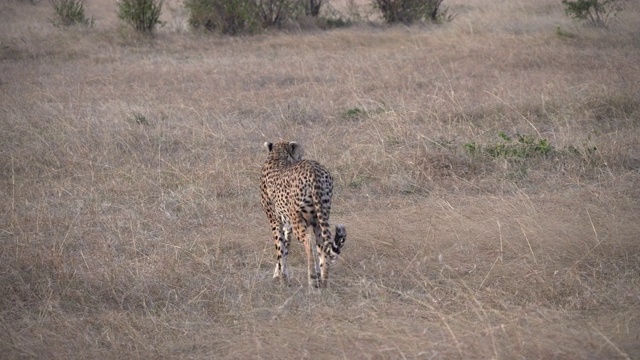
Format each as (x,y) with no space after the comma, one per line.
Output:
(284,150)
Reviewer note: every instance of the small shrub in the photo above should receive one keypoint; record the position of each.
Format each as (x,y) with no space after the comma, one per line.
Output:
(313,7)
(275,13)
(201,14)
(359,181)
(410,11)
(524,146)
(69,13)
(471,148)
(225,16)
(587,152)
(352,113)
(595,12)
(143,15)
(139,119)
(333,22)
(562,33)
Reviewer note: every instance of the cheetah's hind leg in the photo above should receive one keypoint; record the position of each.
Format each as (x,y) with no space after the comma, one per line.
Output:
(283,272)
(316,261)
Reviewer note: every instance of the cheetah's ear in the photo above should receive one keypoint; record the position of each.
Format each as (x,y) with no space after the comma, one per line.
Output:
(268,145)
(295,150)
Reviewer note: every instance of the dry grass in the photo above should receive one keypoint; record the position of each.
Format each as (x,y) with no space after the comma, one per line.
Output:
(129,216)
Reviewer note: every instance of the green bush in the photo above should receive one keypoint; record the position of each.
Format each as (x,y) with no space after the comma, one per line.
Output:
(313,7)
(353,113)
(275,13)
(524,146)
(595,12)
(224,16)
(410,11)
(143,15)
(69,12)
(236,17)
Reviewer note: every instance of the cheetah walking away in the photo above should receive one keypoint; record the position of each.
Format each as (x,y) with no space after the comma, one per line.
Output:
(296,194)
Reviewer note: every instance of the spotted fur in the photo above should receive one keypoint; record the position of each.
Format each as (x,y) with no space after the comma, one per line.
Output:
(295,195)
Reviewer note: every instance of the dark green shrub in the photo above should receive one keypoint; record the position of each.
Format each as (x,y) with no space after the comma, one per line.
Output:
(243,16)
(143,15)
(313,7)
(140,119)
(334,22)
(595,12)
(410,11)
(69,13)
(224,16)
(275,13)
(524,146)
(236,17)
(352,113)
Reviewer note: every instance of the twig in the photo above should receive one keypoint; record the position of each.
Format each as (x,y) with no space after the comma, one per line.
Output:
(500,232)
(592,226)
(489,272)
(528,243)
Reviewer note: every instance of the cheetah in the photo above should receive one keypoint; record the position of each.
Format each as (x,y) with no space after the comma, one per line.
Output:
(295,195)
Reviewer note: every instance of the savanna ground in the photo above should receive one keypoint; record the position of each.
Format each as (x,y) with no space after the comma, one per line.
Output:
(130,220)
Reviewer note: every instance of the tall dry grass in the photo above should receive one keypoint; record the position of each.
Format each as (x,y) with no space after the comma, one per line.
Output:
(131,228)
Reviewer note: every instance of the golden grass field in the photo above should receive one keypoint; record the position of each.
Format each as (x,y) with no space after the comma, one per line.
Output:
(130,221)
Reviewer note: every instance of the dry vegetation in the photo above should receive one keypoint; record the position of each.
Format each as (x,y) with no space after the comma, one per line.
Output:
(131,227)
